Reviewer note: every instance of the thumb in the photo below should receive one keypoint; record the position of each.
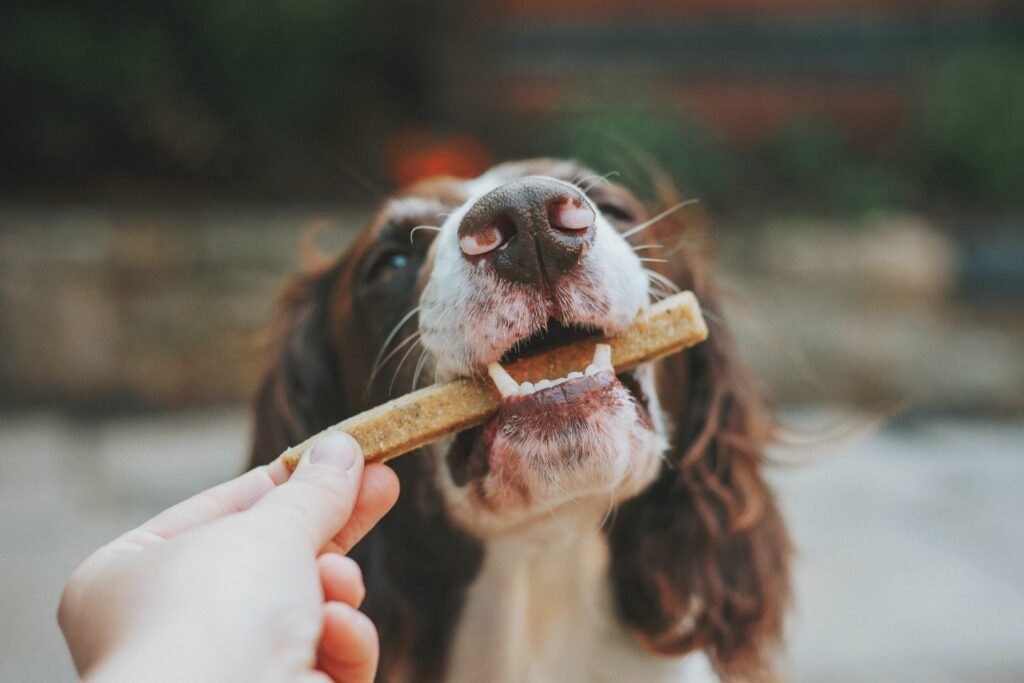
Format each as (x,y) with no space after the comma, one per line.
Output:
(318,498)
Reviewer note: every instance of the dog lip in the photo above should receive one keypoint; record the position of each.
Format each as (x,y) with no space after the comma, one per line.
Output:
(573,396)
(565,393)
(551,411)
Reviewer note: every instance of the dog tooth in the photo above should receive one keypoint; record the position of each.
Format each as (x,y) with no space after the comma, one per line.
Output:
(543,384)
(526,388)
(592,369)
(558,381)
(603,356)
(502,380)
(574,375)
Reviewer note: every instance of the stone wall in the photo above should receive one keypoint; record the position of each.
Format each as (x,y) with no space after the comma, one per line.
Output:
(119,307)
(156,307)
(874,314)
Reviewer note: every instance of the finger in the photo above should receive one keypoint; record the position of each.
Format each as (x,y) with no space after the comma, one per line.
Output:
(349,647)
(232,496)
(342,579)
(278,471)
(377,495)
(318,498)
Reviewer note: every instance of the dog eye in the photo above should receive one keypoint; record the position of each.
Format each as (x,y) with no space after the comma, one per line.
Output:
(616,212)
(387,263)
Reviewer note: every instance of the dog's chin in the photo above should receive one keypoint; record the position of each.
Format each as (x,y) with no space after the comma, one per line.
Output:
(587,443)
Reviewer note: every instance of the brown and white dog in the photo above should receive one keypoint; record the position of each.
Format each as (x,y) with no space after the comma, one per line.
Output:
(605,526)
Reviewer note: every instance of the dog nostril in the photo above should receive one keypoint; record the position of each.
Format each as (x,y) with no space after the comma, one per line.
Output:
(568,216)
(480,242)
(488,238)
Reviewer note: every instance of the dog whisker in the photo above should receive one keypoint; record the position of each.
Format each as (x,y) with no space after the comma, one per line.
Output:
(656,294)
(394,377)
(661,279)
(376,369)
(713,317)
(422,227)
(419,368)
(594,180)
(660,287)
(651,221)
(685,241)
(391,335)
(641,247)
(655,260)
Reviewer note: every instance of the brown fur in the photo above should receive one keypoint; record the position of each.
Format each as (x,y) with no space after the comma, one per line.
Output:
(707,528)
(416,564)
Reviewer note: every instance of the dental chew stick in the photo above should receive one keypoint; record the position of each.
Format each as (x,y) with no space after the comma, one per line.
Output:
(429,414)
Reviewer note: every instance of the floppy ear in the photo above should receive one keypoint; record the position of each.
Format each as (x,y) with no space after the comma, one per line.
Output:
(417,566)
(301,392)
(699,559)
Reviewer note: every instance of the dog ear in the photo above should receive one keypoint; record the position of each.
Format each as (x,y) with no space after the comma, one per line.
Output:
(301,392)
(699,559)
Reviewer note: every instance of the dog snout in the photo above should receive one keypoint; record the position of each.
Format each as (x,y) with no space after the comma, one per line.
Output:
(532,230)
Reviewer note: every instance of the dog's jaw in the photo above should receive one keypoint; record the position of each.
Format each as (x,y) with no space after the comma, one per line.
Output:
(528,465)
(529,478)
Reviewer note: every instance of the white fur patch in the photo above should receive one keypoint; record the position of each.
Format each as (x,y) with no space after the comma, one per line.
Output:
(541,611)
(469,316)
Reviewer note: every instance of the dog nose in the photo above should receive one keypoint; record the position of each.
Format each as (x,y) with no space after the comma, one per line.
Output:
(532,229)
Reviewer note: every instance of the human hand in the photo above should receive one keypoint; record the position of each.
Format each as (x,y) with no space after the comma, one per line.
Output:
(233,584)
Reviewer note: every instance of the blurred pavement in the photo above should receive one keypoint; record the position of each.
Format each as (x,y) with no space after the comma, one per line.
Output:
(911,562)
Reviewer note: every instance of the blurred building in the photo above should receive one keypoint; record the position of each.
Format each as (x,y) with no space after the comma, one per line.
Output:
(163,160)
(743,67)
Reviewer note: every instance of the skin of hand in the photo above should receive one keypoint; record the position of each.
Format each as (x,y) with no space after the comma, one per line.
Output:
(246,581)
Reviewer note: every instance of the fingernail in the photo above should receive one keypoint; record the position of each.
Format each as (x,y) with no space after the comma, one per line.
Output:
(337,449)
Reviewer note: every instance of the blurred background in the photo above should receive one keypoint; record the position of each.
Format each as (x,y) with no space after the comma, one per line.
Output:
(861,163)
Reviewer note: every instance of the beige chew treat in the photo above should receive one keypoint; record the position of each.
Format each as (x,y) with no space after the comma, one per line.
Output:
(425,416)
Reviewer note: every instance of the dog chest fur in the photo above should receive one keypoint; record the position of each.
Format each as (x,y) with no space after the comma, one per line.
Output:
(541,610)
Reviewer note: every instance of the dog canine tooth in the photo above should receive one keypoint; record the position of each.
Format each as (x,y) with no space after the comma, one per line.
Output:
(502,380)
(603,356)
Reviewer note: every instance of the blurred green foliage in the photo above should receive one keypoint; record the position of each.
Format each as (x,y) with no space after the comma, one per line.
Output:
(196,85)
(970,123)
(258,92)
(633,144)
(806,164)
(808,160)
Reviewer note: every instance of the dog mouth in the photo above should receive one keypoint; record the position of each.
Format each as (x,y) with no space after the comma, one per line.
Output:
(555,408)
(551,427)
(555,424)
(552,393)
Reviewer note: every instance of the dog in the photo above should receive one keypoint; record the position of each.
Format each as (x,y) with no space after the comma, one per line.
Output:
(606,526)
